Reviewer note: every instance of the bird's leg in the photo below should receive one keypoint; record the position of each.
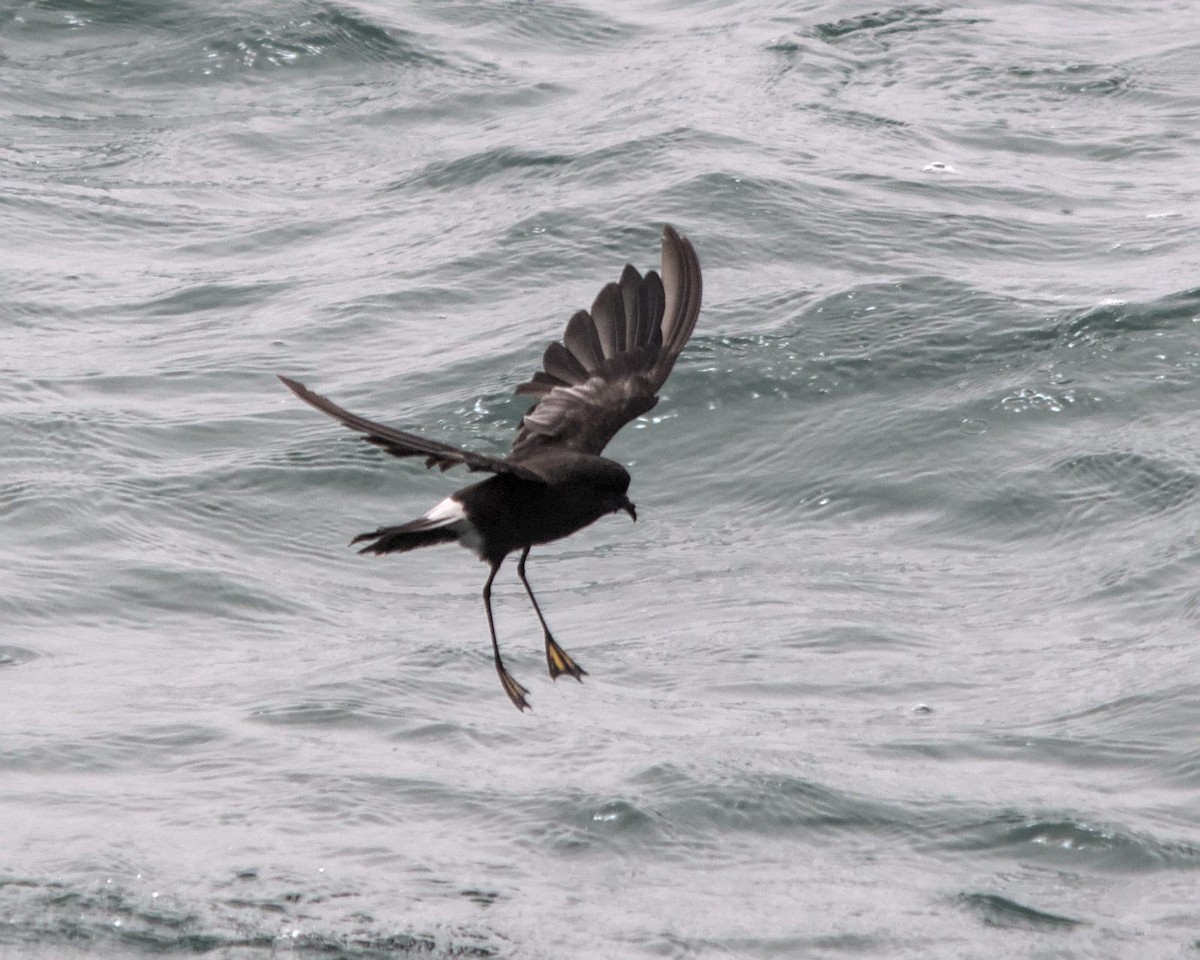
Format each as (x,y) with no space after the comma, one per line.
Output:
(558,660)
(516,692)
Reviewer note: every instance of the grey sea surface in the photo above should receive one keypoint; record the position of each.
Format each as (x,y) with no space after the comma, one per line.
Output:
(899,660)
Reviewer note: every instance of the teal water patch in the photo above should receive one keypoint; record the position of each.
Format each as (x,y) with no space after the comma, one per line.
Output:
(895,660)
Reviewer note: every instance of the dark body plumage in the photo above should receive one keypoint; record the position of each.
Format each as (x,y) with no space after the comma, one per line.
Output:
(606,371)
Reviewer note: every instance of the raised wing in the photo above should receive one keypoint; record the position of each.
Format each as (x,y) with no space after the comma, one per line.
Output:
(401,444)
(611,362)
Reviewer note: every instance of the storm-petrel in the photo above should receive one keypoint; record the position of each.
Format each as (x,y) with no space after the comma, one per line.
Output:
(606,370)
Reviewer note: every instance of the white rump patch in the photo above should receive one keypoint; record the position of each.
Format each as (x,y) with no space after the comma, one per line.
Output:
(447,512)
(450,513)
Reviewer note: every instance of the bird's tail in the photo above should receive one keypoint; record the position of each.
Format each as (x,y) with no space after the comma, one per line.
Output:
(406,536)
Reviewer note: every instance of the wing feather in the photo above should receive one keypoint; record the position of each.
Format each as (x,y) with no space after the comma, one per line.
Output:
(583,342)
(611,363)
(560,363)
(681,284)
(608,316)
(631,285)
(401,444)
(606,370)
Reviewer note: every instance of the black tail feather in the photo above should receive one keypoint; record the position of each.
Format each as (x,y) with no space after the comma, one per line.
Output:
(404,538)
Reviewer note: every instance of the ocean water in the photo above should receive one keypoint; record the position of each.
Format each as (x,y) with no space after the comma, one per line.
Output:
(901,658)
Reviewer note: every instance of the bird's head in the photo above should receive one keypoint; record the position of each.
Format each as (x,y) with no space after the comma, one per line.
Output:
(617,493)
(605,485)
(614,501)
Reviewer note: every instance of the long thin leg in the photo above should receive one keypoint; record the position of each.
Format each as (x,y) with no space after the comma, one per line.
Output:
(516,692)
(557,659)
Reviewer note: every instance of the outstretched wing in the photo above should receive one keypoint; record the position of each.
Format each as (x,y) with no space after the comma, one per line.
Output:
(611,362)
(401,444)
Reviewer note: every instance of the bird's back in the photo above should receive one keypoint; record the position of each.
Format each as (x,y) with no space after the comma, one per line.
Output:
(512,513)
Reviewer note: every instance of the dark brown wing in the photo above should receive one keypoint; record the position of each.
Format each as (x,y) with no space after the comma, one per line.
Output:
(611,362)
(400,444)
